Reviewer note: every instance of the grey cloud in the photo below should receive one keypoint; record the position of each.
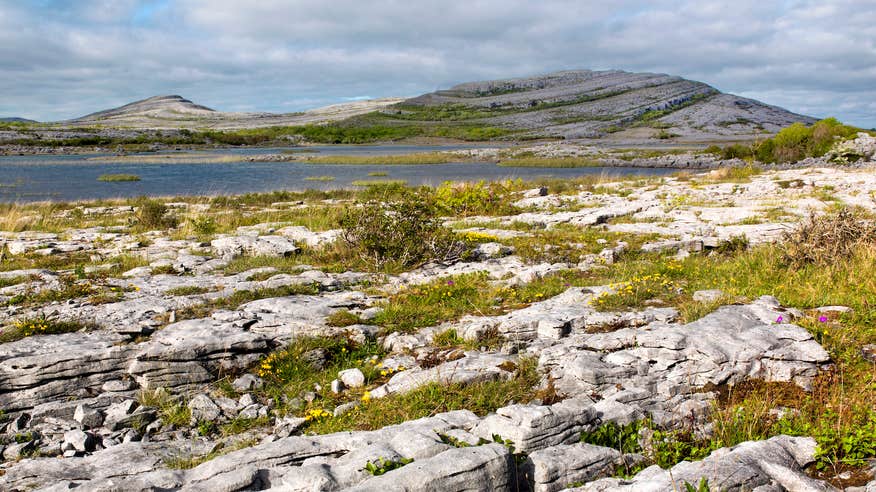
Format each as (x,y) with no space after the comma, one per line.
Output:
(272,55)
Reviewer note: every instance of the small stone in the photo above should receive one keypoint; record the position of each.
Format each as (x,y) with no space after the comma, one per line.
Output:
(337,386)
(80,440)
(229,407)
(118,414)
(19,423)
(118,385)
(88,417)
(247,382)
(289,425)
(352,378)
(344,408)
(204,409)
(868,352)
(16,450)
(318,358)
(70,453)
(109,442)
(131,436)
(835,309)
(246,400)
(711,295)
(251,412)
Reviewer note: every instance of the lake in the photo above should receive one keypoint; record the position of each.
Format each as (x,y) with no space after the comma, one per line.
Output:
(67,178)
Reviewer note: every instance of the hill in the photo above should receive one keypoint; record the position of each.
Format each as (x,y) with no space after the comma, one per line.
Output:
(15,119)
(163,112)
(585,103)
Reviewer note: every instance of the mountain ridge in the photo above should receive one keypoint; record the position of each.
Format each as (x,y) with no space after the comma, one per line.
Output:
(569,104)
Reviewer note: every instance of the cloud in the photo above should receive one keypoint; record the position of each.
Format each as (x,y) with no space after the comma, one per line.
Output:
(63,59)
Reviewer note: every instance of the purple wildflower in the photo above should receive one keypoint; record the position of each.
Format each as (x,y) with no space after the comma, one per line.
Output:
(780,319)
(450,282)
(823,319)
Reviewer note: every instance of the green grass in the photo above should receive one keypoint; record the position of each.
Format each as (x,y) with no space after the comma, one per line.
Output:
(111,178)
(400,159)
(450,298)
(188,290)
(319,178)
(38,326)
(432,399)
(378,182)
(290,372)
(241,297)
(551,162)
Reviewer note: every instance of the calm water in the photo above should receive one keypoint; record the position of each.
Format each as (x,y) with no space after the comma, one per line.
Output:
(63,178)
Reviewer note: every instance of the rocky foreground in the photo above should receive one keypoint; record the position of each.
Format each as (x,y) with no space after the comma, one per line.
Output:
(77,413)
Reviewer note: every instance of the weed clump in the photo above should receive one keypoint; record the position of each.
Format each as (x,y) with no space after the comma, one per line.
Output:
(399,233)
(152,214)
(827,239)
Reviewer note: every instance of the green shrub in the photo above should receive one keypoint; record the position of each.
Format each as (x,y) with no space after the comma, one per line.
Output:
(464,199)
(798,141)
(204,226)
(400,233)
(152,214)
(383,465)
(118,177)
(341,318)
(736,151)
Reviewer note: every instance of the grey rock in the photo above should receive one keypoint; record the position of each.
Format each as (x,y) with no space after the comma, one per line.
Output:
(88,417)
(532,428)
(19,423)
(707,296)
(775,464)
(253,411)
(352,378)
(473,367)
(233,246)
(488,467)
(118,385)
(344,408)
(287,426)
(336,386)
(204,409)
(492,250)
(119,415)
(246,400)
(317,358)
(868,352)
(80,441)
(247,382)
(557,467)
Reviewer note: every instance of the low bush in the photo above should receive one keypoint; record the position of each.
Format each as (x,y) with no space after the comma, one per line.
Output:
(827,239)
(110,178)
(465,199)
(399,233)
(152,214)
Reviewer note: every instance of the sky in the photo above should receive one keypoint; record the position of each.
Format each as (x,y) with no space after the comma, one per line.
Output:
(63,59)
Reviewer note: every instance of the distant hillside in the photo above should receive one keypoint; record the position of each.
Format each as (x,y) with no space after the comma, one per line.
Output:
(584,103)
(14,119)
(162,112)
(153,107)
(612,104)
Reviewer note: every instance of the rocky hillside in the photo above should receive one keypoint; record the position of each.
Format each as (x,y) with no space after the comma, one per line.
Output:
(154,107)
(585,103)
(169,112)
(15,119)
